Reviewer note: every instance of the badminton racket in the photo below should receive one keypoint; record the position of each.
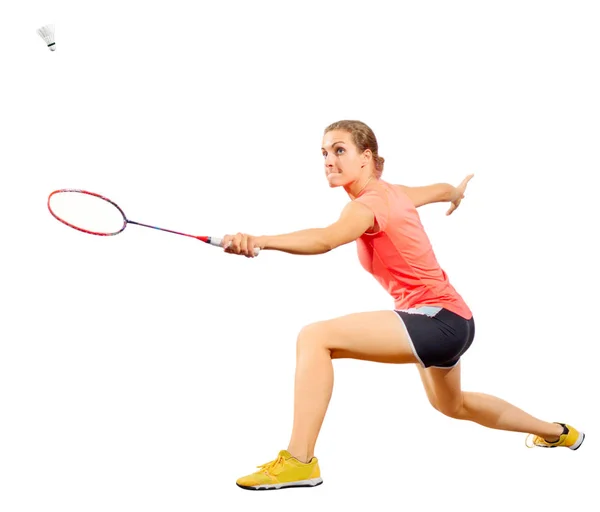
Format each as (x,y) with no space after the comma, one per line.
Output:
(94,214)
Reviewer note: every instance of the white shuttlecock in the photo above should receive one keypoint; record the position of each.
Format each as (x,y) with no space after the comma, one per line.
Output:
(47,34)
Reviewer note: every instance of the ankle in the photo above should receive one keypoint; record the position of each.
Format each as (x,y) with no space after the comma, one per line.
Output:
(301,455)
(304,459)
(555,434)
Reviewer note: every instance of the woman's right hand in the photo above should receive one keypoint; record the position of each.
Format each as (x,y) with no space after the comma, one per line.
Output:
(459,194)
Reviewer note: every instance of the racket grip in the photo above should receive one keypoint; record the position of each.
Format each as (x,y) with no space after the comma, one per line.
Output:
(213,240)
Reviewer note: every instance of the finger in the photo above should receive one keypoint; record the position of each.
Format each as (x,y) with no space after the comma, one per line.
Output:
(236,244)
(244,245)
(250,247)
(463,185)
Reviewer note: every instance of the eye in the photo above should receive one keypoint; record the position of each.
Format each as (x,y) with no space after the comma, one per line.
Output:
(338,150)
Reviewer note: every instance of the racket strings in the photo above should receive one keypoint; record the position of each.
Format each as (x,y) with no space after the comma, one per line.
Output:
(87,212)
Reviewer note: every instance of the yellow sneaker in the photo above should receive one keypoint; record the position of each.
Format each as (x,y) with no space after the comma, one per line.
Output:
(284,471)
(570,438)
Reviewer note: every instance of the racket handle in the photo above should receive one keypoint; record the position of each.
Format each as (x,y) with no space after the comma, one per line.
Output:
(213,240)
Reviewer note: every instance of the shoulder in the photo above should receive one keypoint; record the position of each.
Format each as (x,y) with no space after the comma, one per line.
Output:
(379,202)
(357,210)
(380,194)
(353,222)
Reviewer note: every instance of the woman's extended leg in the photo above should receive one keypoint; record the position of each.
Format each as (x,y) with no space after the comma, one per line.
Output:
(444,392)
(378,336)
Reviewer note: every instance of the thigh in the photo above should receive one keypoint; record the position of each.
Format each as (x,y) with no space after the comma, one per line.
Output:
(443,387)
(378,336)
(428,385)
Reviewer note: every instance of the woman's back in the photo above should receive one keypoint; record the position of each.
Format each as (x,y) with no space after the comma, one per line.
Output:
(399,253)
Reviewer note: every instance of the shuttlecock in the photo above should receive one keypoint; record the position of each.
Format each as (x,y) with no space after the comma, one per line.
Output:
(47,34)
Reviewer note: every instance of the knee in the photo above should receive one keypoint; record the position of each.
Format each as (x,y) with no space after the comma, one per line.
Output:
(433,401)
(452,408)
(310,336)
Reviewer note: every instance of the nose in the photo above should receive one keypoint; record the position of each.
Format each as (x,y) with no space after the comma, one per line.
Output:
(329,160)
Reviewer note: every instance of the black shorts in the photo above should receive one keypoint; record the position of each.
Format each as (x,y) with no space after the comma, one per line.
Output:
(438,337)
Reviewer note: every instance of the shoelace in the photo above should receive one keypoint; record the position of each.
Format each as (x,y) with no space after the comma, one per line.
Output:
(538,441)
(270,467)
(532,445)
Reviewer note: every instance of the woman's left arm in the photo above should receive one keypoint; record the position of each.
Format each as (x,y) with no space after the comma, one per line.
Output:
(354,220)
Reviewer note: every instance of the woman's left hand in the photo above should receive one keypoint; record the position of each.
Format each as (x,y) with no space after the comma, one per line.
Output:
(459,194)
(242,244)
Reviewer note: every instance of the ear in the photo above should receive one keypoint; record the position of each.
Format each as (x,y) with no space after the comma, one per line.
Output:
(367,155)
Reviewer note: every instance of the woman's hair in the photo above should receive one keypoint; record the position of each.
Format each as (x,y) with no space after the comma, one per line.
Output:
(363,138)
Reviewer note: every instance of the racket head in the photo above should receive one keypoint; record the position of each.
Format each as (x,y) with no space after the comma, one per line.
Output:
(87,212)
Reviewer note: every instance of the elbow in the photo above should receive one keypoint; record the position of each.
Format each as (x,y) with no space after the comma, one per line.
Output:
(326,247)
(331,239)
(327,244)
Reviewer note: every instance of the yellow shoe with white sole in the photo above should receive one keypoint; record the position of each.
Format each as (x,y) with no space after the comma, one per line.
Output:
(570,438)
(284,471)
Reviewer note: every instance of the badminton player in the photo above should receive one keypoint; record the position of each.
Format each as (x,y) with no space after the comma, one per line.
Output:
(430,325)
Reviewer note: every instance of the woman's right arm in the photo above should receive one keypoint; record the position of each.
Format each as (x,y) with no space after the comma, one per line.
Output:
(437,193)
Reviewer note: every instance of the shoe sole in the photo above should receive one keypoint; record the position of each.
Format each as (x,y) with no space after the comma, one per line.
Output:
(313,482)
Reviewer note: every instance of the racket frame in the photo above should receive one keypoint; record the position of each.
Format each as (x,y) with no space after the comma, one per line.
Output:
(212,240)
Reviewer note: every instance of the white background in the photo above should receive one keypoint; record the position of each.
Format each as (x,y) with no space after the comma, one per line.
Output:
(149,371)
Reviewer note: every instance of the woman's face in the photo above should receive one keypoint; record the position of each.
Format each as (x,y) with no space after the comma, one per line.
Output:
(343,162)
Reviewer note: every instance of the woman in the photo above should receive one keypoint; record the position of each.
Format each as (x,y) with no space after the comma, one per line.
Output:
(431,325)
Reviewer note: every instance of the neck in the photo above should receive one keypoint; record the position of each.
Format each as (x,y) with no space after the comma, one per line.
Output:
(357,187)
